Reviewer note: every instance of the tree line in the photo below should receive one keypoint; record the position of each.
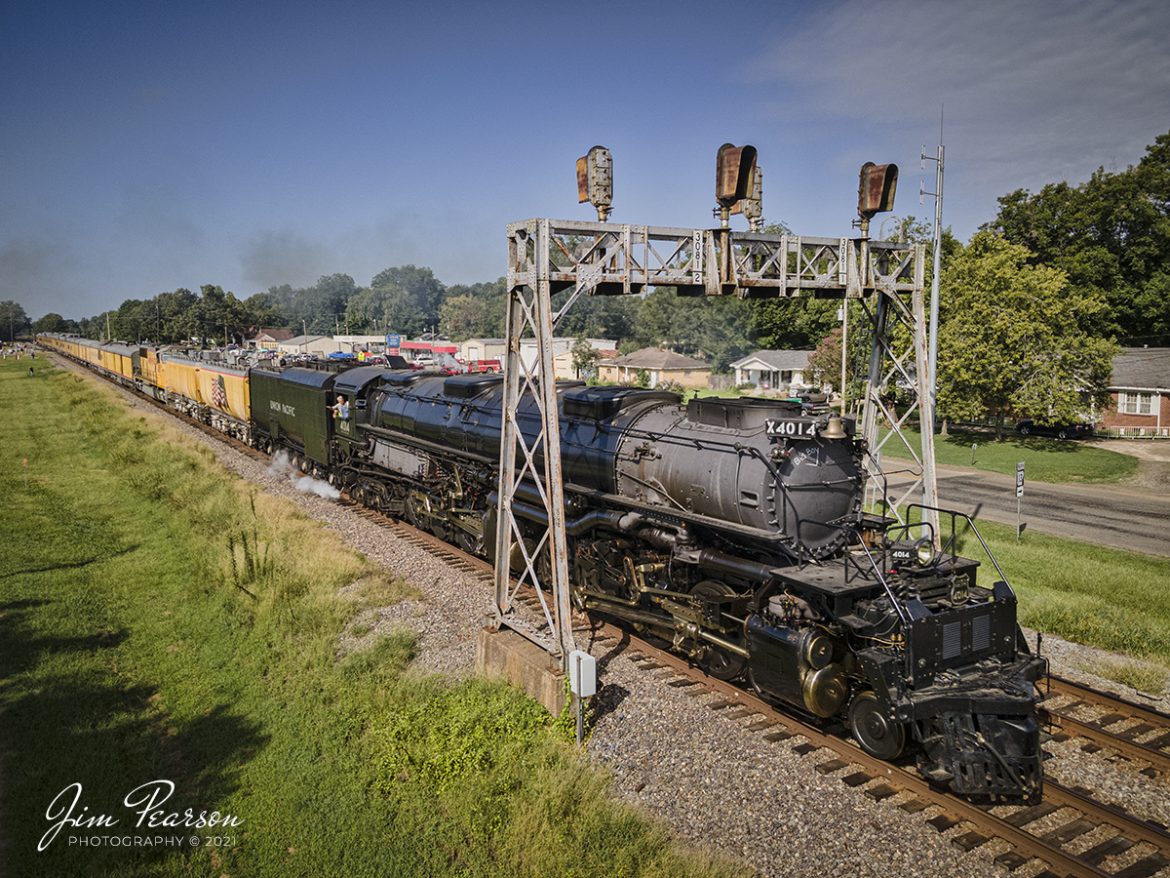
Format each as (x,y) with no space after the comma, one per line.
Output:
(1033,306)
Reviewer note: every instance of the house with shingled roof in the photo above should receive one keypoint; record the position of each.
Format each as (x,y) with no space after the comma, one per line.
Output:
(1140,390)
(773,370)
(661,366)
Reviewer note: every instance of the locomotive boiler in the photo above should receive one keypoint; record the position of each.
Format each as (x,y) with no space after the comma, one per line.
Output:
(734,530)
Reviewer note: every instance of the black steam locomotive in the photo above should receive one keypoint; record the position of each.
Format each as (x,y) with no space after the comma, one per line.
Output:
(732,528)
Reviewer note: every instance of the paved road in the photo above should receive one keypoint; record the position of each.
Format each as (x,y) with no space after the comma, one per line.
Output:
(1124,517)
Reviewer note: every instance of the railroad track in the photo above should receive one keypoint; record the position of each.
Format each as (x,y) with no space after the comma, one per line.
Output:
(1069,831)
(1133,730)
(1077,813)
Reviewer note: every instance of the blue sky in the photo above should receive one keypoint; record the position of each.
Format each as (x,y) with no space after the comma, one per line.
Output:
(150,146)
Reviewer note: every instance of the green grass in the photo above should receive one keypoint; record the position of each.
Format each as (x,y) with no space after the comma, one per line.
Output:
(1045,460)
(161,619)
(1144,676)
(1102,597)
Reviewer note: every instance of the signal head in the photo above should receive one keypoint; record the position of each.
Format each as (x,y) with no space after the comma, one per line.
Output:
(595,180)
(875,191)
(734,169)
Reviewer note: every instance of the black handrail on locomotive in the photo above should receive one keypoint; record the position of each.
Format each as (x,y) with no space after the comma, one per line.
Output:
(953,513)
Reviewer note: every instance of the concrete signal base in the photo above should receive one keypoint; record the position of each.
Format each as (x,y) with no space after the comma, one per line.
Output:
(509,656)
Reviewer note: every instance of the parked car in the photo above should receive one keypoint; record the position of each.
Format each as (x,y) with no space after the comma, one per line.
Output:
(1029,427)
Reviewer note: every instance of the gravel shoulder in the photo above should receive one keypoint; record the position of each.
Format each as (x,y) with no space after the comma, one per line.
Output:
(706,776)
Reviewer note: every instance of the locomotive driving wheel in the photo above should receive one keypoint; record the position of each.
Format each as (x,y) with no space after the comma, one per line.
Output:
(415,510)
(878,734)
(718,662)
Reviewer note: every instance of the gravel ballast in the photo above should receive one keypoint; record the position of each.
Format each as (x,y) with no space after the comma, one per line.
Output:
(705,775)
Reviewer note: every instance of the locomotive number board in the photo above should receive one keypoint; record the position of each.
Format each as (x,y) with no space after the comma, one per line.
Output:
(796,428)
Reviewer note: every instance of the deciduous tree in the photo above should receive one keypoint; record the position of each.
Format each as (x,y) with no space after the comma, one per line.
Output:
(1012,341)
(13,320)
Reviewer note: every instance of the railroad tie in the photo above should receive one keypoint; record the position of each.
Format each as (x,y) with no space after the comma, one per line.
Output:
(1028,815)
(830,765)
(778,735)
(1144,867)
(1111,847)
(880,792)
(943,822)
(1069,831)
(1108,719)
(1010,860)
(1132,734)
(968,841)
(741,713)
(1160,742)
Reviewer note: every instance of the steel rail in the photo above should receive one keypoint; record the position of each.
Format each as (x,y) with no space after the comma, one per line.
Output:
(957,809)
(731,699)
(1158,759)
(1100,698)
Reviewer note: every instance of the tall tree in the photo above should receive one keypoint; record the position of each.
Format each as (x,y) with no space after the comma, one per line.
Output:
(425,291)
(1110,234)
(1012,341)
(51,322)
(464,317)
(13,320)
(715,329)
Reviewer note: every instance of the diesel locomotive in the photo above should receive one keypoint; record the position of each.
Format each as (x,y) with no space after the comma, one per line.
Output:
(733,529)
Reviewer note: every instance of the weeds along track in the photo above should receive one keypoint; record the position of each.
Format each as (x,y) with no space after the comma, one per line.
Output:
(1069,831)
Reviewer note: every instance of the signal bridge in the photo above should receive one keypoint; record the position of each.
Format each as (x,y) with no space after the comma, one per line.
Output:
(548,257)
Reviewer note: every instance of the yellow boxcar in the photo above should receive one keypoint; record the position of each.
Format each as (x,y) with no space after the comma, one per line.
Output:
(225,389)
(119,359)
(90,351)
(148,368)
(181,377)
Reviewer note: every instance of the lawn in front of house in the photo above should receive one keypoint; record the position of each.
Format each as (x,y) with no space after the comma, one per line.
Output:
(1045,460)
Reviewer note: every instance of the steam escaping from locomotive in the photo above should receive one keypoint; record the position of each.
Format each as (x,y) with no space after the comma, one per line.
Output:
(282,465)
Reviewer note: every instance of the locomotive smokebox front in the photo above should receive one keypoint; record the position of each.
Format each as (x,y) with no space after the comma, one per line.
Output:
(760,463)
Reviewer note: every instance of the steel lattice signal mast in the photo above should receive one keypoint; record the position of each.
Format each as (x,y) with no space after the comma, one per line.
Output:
(547,257)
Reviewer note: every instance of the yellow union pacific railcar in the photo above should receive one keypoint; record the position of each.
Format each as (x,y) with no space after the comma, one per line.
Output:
(212,392)
(119,360)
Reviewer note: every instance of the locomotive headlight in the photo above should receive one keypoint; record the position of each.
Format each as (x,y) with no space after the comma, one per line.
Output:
(924,552)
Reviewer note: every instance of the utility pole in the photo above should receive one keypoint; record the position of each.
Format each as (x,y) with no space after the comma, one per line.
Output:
(109,337)
(936,271)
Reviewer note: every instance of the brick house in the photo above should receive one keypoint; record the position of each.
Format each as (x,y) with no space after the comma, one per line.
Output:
(1140,391)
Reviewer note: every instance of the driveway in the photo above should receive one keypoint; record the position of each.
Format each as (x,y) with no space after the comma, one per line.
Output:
(1123,516)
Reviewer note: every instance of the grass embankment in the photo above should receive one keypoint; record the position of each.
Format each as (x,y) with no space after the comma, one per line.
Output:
(1045,460)
(1102,597)
(160,619)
